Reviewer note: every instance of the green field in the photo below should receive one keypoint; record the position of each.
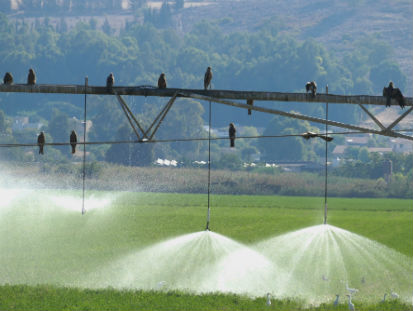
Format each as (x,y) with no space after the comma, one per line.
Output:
(46,240)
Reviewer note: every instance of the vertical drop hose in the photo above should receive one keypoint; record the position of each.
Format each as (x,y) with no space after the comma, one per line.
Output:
(209,166)
(325,169)
(84,151)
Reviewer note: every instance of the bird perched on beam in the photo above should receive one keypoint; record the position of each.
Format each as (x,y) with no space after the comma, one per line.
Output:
(162,81)
(392,92)
(8,78)
(207,78)
(40,142)
(110,81)
(232,131)
(311,87)
(73,141)
(31,77)
(308,135)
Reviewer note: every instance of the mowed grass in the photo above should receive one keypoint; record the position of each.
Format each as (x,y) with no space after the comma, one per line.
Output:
(43,243)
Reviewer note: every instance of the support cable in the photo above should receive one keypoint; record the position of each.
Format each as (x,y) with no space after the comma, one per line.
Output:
(115,142)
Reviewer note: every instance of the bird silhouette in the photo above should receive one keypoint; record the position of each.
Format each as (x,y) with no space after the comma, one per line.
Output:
(8,78)
(311,87)
(162,81)
(384,298)
(73,141)
(110,81)
(231,133)
(31,77)
(40,142)
(207,78)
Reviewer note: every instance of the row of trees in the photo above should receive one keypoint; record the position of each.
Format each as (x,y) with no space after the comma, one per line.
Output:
(78,6)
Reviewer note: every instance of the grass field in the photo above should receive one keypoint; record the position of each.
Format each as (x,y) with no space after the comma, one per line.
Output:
(44,239)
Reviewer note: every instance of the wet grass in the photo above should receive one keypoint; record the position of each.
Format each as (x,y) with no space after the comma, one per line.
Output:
(23,297)
(41,243)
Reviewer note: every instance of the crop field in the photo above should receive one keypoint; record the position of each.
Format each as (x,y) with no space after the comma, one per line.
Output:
(130,250)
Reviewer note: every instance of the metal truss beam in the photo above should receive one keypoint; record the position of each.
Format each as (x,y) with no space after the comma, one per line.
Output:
(219,94)
(386,132)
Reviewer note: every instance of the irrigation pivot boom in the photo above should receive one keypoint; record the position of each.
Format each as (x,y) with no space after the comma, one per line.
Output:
(227,97)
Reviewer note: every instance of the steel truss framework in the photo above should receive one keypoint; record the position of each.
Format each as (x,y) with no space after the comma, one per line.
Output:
(226,97)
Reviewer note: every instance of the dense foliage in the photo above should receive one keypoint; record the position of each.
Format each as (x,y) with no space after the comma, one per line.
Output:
(262,60)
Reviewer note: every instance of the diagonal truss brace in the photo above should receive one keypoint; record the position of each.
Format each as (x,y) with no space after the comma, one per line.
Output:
(129,115)
(159,118)
(391,126)
(136,126)
(386,132)
(373,117)
(399,119)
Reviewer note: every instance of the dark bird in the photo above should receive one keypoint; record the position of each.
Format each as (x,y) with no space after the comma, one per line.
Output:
(398,96)
(31,77)
(8,78)
(311,87)
(232,131)
(392,92)
(40,142)
(388,93)
(73,141)
(308,135)
(162,81)
(110,80)
(207,78)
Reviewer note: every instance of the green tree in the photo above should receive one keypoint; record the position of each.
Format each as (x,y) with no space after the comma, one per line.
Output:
(132,154)
(228,161)
(284,149)
(59,126)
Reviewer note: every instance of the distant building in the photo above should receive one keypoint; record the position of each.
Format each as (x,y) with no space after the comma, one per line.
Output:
(339,150)
(357,141)
(298,166)
(380,150)
(401,145)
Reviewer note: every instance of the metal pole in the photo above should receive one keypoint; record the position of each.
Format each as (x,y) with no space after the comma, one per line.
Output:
(325,169)
(209,167)
(84,151)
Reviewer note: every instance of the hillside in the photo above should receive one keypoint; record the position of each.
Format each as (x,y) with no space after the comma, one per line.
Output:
(336,24)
